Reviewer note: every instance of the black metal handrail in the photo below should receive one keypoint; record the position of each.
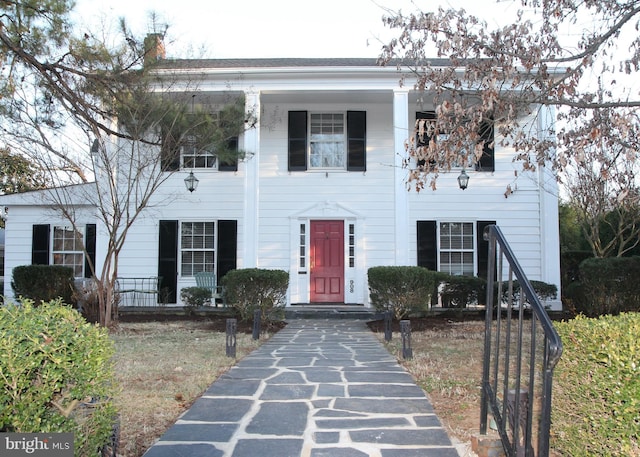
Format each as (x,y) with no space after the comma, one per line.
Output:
(517,367)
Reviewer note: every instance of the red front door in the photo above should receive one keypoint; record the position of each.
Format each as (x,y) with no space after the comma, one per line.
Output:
(327,262)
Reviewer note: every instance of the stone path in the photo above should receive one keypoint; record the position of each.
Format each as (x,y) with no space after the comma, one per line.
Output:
(317,388)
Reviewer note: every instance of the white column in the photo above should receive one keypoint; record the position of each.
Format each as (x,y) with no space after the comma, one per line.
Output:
(252,184)
(549,219)
(400,135)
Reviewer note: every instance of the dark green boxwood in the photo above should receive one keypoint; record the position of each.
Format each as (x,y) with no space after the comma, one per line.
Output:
(401,289)
(43,283)
(195,297)
(596,392)
(462,291)
(610,285)
(57,374)
(543,290)
(249,289)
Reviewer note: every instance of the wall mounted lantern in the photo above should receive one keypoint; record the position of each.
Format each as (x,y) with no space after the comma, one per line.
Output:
(463,180)
(191,182)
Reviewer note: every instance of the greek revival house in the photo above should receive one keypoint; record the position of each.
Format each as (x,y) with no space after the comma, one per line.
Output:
(321,192)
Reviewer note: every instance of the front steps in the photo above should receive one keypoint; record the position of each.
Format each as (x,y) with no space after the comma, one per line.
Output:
(332,311)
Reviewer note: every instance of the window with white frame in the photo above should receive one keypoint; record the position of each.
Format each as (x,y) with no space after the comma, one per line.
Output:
(327,140)
(194,156)
(428,120)
(197,241)
(68,249)
(457,241)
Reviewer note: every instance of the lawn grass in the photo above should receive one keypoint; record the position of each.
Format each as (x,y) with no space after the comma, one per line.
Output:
(161,368)
(447,365)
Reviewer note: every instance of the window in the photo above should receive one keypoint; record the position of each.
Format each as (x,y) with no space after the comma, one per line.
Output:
(197,241)
(194,157)
(303,247)
(485,133)
(185,151)
(352,245)
(68,249)
(456,248)
(327,141)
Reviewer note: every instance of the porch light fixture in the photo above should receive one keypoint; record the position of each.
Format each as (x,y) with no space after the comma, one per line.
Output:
(463,180)
(191,182)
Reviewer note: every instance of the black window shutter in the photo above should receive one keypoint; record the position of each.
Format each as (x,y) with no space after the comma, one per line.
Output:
(90,247)
(230,165)
(227,247)
(482,248)
(487,160)
(169,151)
(168,261)
(40,244)
(356,140)
(297,140)
(427,245)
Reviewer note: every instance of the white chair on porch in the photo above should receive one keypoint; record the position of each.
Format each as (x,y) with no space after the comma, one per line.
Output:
(207,280)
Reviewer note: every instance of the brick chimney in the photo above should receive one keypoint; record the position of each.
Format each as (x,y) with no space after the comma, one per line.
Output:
(153,49)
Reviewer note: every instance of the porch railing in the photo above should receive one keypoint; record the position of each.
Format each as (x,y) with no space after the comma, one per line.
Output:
(521,350)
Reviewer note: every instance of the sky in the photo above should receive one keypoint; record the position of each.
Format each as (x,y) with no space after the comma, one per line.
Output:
(268,28)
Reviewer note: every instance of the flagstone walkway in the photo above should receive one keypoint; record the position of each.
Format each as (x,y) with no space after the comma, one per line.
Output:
(317,388)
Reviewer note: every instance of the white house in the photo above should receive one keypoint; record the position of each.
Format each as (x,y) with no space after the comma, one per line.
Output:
(324,214)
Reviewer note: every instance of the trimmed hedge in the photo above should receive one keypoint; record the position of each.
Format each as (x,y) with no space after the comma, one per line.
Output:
(609,286)
(462,291)
(57,374)
(543,290)
(43,283)
(249,289)
(402,290)
(596,392)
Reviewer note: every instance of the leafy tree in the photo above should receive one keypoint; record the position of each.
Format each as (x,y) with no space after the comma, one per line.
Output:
(89,112)
(17,174)
(518,74)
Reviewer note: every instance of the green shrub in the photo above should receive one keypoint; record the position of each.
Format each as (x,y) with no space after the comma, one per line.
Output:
(570,265)
(57,374)
(596,393)
(249,289)
(462,291)
(543,290)
(195,297)
(401,290)
(610,286)
(43,283)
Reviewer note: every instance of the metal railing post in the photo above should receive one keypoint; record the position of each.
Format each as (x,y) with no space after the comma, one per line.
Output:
(257,314)
(387,326)
(232,326)
(405,330)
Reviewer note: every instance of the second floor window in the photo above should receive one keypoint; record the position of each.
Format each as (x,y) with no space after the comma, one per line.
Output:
(195,157)
(198,151)
(327,141)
